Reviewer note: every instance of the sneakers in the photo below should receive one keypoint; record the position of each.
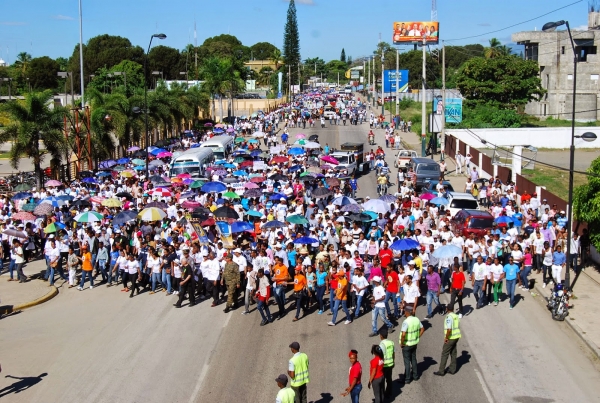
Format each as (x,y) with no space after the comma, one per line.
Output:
(544,286)
(511,307)
(320,312)
(245,312)
(331,323)
(79,288)
(151,292)
(438,373)
(347,322)
(91,287)
(460,316)
(373,334)
(495,304)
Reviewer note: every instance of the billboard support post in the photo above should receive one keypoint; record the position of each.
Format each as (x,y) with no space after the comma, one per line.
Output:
(443,135)
(423,112)
(397,81)
(382,87)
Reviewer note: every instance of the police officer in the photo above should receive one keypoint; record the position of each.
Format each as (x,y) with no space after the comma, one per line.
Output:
(231,277)
(389,355)
(451,336)
(298,372)
(412,330)
(285,395)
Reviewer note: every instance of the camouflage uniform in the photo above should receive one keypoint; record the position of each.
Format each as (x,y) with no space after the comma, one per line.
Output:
(231,275)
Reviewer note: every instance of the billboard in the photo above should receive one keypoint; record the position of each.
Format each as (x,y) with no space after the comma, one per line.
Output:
(453,110)
(415,31)
(389,81)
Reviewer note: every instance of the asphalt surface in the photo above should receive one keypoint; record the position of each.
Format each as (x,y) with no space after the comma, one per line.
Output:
(101,346)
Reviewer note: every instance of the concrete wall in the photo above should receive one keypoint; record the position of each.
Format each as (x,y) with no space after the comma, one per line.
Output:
(555,137)
(246,106)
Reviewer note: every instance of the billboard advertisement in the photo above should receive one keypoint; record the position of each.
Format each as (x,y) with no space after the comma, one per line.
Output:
(415,31)
(389,81)
(453,110)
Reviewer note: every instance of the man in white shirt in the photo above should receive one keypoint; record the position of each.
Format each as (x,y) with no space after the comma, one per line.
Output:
(379,308)
(210,272)
(479,277)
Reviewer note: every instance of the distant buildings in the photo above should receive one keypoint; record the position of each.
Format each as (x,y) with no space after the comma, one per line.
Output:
(554,54)
(3,63)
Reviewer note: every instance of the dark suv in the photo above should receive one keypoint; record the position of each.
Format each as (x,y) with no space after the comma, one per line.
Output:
(472,222)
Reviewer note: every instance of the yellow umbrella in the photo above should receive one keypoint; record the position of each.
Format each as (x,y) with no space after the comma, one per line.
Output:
(112,202)
(127,174)
(176,180)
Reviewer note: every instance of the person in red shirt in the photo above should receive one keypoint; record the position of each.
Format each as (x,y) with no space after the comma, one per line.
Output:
(376,373)
(458,284)
(392,287)
(385,255)
(354,385)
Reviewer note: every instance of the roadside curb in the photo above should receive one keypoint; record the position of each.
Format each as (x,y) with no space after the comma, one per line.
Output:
(593,348)
(14,308)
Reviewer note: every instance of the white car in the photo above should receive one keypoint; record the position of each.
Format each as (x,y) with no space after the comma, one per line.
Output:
(329,114)
(403,157)
(461,201)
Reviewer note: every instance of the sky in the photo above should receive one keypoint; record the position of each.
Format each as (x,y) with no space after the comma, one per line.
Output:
(51,28)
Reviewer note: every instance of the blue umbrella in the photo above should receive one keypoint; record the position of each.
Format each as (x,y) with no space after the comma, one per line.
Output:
(218,130)
(255,153)
(65,197)
(123,161)
(388,198)
(273,224)
(186,195)
(439,201)
(253,141)
(139,168)
(107,164)
(241,226)
(277,197)
(447,252)
(228,165)
(54,201)
(157,151)
(195,146)
(295,168)
(503,220)
(220,162)
(124,217)
(103,173)
(89,180)
(22,195)
(296,151)
(404,244)
(240,172)
(213,187)
(254,213)
(343,200)
(305,240)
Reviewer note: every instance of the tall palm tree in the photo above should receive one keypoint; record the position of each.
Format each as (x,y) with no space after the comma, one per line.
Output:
(276,58)
(216,72)
(32,122)
(23,60)
(493,50)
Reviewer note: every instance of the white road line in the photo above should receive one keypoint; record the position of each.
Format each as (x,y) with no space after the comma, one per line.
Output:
(487,392)
(227,320)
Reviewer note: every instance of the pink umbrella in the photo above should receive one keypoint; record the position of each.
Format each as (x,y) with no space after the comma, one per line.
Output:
(53,183)
(219,125)
(184,176)
(134,148)
(230,130)
(161,192)
(300,136)
(190,205)
(164,154)
(97,199)
(329,159)
(251,185)
(427,196)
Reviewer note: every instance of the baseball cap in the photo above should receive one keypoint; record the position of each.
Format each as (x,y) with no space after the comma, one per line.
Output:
(295,345)
(412,263)
(237,250)
(278,245)
(282,379)
(377,279)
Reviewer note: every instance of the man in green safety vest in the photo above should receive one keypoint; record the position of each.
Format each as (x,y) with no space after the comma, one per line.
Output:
(298,372)
(412,330)
(451,336)
(285,395)
(389,355)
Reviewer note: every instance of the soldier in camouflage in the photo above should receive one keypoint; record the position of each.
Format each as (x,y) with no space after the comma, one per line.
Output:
(231,276)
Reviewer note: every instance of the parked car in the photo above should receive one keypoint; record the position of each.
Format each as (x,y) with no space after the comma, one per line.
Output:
(426,170)
(461,201)
(431,187)
(403,158)
(472,222)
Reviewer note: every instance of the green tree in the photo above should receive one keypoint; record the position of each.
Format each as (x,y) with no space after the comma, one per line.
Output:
(22,62)
(42,73)
(586,203)
(343,56)
(216,72)
(335,67)
(32,121)
(495,49)
(262,50)
(505,82)
(276,58)
(291,38)
(167,60)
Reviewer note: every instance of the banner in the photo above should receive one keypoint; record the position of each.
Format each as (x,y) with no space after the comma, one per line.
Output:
(453,110)
(389,84)
(414,31)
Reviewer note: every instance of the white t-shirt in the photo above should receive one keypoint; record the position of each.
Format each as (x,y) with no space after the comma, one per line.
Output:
(480,271)
(496,270)
(360,282)
(379,292)
(132,266)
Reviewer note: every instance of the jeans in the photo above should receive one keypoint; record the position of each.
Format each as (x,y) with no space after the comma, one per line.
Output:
(263,309)
(320,295)
(378,391)
(445,274)
(102,268)
(47,274)
(331,298)
(166,279)
(546,274)
(355,393)
(358,305)
(337,307)
(85,274)
(524,276)
(11,266)
(431,297)
(392,296)
(478,292)
(155,279)
(279,294)
(455,296)
(20,274)
(379,311)
(573,261)
(510,290)
(409,353)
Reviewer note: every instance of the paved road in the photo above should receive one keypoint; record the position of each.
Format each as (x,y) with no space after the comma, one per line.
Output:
(100,346)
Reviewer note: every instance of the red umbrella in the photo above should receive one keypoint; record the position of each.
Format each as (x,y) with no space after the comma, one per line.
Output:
(190,205)
(257,179)
(208,222)
(245,164)
(329,159)
(427,196)
(184,176)
(161,192)
(278,160)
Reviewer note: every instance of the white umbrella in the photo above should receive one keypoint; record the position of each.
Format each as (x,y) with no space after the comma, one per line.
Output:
(311,144)
(258,135)
(376,206)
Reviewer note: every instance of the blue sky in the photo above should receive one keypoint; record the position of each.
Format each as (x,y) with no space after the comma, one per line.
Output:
(51,27)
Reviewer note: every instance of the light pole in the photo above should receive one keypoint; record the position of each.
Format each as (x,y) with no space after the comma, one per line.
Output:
(382,85)
(159,36)
(587,136)
(65,75)
(156,73)
(124,74)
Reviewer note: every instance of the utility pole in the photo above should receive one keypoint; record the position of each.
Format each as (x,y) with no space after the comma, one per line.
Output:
(423,109)
(382,86)
(368,81)
(374,85)
(397,78)
(443,135)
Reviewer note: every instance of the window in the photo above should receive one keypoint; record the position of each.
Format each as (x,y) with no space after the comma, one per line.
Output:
(464,204)
(562,50)
(569,76)
(531,51)
(594,77)
(481,223)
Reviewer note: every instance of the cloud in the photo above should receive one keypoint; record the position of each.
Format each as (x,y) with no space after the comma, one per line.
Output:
(62,17)
(12,23)
(581,28)
(485,24)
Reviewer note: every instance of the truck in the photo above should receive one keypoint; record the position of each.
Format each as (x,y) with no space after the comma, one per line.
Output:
(351,158)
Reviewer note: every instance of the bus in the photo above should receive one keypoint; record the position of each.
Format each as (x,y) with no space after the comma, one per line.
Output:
(194,162)
(221,146)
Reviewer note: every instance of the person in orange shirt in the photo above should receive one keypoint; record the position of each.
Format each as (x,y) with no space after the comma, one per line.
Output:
(86,267)
(280,279)
(341,296)
(300,290)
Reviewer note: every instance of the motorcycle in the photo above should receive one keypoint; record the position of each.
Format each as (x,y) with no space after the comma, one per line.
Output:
(382,189)
(558,303)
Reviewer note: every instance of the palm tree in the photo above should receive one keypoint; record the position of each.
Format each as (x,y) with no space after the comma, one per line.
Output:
(493,50)
(22,61)
(216,72)
(276,58)
(264,75)
(32,121)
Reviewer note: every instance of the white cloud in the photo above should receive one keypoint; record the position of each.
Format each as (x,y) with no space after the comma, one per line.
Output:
(63,17)
(581,28)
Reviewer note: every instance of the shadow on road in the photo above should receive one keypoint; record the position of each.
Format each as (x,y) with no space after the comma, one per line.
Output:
(21,384)
(325,398)
(462,359)
(424,365)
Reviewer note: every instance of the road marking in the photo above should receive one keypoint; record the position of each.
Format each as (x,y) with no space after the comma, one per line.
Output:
(487,392)
(205,368)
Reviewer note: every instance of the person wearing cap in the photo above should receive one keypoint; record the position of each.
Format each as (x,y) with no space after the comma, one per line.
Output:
(354,378)
(451,337)
(378,306)
(187,284)
(231,278)
(285,394)
(298,373)
(412,330)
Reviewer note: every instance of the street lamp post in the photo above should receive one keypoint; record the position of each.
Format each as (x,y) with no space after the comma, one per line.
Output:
(382,85)
(65,75)
(124,74)
(587,136)
(159,36)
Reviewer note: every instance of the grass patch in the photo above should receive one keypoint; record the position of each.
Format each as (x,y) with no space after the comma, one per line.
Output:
(4,155)
(532,121)
(408,110)
(555,180)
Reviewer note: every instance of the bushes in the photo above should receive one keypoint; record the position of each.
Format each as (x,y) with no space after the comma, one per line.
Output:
(483,117)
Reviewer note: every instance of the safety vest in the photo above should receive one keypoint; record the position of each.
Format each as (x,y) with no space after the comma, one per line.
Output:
(455,332)
(286,395)
(388,352)
(300,362)
(412,331)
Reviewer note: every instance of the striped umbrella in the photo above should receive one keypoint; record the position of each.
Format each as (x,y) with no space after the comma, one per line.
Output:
(43,209)
(54,227)
(89,216)
(151,214)
(161,192)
